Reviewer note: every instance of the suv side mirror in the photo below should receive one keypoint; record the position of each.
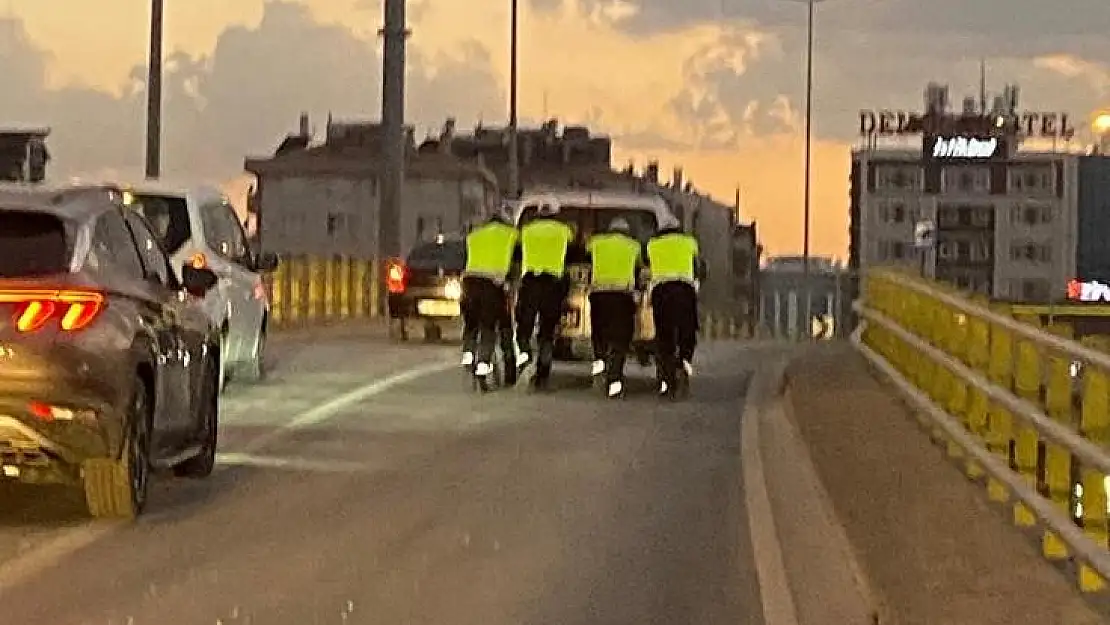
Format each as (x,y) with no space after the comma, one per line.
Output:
(266,262)
(196,281)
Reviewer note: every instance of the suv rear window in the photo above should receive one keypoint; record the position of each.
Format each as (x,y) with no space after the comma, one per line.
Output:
(450,255)
(168,217)
(32,244)
(589,220)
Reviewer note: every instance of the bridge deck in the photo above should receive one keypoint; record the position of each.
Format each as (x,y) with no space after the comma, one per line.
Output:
(934,548)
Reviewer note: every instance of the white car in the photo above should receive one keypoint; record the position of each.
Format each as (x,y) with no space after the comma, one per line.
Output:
(200,227)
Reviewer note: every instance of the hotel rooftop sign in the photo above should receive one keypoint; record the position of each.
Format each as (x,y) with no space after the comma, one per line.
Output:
(901,123)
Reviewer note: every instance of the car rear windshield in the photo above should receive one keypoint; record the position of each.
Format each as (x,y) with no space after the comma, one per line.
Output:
(169,218)
(32,244)
(590,220)
(449,255)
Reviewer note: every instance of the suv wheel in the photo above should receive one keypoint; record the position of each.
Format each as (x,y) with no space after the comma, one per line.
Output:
(119,488)
(202,464)
(255,370)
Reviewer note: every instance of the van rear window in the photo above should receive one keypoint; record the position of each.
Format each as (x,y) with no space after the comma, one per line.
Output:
(32,244)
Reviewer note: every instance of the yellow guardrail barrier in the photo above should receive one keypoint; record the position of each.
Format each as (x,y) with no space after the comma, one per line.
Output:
(1022,406)
(308,290)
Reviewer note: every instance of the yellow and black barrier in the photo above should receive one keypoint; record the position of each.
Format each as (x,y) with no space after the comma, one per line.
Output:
(1035,366)
(309,290)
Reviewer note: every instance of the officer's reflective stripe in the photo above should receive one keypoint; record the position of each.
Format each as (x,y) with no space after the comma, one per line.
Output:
(614,258)
(489,250)
(544,244)
(672,257)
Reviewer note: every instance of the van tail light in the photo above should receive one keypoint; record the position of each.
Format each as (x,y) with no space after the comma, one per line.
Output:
(396,277)
(35,309)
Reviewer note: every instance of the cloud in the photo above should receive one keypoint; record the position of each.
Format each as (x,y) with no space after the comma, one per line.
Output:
(240,99)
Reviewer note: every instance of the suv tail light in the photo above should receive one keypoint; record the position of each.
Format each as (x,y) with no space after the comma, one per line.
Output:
(396,277)
(34,309)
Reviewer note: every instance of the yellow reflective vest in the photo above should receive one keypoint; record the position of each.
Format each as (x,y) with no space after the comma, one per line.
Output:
(543,247)
(615,258)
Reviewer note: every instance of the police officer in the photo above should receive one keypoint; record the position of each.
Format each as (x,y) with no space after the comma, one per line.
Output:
(485,308)
(673,258)
(543,289)
(615,257)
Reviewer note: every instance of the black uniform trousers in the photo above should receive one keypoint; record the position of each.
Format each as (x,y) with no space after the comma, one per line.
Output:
(485,310)
(674,307)
(540,296)
(612,327)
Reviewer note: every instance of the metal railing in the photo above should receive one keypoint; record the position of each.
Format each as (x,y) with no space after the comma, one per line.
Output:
(308,290)
(1021,406)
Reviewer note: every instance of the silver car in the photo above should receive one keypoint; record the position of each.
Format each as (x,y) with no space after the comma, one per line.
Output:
(199,227)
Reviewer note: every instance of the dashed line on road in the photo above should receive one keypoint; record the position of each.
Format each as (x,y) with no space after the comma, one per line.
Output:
(329,409)
(291,463)
(51,553)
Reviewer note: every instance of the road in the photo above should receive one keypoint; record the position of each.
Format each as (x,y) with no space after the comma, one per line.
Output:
(364,483)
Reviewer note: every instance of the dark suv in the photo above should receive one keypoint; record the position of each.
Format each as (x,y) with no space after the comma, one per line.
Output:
(108,368)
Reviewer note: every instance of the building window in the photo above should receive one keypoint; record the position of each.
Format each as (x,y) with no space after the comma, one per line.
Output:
(968,180)
(898,178)
(893,212)
(1031,252)
(1032,214)
(893,250)
(981,251)
(1035,180)
(1033,290)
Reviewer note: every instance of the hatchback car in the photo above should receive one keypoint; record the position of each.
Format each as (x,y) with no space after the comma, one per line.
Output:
(108,365)
(427,287)
(200,228)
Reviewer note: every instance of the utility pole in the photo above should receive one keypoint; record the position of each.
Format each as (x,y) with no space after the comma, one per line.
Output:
(514,155)
(808,162)
(154,93)
(394,34)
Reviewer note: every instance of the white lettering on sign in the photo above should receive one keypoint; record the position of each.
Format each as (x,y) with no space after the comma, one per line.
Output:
(1093,291)
(964,147)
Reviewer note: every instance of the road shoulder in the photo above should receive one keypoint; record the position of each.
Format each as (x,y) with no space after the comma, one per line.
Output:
(932,547)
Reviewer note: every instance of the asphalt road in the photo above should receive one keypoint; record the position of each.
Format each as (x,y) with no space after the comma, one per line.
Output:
(364,483)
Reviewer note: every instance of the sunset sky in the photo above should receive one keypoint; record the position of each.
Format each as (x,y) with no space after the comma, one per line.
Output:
(714,85)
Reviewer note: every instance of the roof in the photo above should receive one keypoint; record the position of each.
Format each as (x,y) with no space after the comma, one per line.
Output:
(76,203)
(359,161)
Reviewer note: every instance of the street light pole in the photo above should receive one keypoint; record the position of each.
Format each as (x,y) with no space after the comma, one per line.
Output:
(154,93)
(514,156)
(808,288)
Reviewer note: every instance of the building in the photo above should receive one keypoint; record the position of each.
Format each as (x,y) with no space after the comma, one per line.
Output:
(324,199)
(1004,222)
(782,296)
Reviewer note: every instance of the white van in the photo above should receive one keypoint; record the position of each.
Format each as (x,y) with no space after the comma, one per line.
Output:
(589,213)
(200,227)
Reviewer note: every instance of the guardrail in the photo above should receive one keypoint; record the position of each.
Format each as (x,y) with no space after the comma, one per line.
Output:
(307,290)
(1022,407)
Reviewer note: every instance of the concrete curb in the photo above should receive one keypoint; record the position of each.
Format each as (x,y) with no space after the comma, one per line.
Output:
(817,579)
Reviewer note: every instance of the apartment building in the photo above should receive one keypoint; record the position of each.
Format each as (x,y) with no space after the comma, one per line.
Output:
(1005,221)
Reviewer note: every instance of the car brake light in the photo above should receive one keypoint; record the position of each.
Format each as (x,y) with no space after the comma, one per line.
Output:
(74,310)
(396,277)
(198,261)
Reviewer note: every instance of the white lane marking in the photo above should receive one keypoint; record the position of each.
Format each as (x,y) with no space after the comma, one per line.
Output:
(51,552)
(774,585)
(329,409)
(291,463)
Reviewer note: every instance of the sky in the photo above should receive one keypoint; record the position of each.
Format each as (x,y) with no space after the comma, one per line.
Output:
(716,86)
